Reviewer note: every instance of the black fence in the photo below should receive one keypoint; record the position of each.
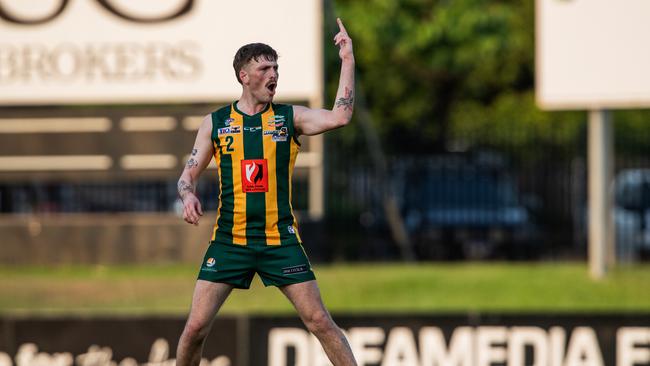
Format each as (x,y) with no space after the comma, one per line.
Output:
(481,199)
(491,198)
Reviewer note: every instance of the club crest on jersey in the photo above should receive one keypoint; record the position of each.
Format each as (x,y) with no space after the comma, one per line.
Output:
(255,175)
(228,121)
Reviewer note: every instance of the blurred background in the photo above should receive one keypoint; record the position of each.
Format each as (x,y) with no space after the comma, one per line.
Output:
(451,191)
(447,130)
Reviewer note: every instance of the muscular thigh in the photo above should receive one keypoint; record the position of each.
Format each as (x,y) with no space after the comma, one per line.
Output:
(207,300)
(305,297)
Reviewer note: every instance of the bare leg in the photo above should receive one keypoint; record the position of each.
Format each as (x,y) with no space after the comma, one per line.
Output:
(208,298)
(306,299)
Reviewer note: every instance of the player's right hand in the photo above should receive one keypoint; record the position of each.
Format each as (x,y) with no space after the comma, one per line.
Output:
(192,211)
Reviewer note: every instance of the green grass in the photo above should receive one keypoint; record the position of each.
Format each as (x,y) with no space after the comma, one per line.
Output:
(359,288)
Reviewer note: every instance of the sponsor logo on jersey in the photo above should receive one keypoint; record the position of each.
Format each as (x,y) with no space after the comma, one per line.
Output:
(228,130)
(255,175)
(291,230)
(228,121)
(275,121)
(252,129)
(280,135)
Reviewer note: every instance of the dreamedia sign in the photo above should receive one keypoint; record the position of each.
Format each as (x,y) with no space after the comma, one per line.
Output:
(122,51)
(467,341)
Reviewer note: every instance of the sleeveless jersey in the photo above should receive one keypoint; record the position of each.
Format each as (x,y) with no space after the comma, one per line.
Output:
(255,156)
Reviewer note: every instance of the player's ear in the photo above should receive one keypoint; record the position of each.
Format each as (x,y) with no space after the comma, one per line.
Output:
(243,76)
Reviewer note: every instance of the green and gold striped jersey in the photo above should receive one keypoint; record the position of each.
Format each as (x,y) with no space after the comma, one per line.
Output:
(255,157)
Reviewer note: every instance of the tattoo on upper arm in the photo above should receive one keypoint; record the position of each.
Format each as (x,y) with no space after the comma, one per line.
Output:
(192,163)
(346,102)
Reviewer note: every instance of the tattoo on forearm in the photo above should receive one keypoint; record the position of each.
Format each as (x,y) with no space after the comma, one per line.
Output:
(192,163)
(184,188)
(346,102)
(194,151)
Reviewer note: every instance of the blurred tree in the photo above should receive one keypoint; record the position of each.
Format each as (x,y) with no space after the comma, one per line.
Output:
(632,133)
(450,75)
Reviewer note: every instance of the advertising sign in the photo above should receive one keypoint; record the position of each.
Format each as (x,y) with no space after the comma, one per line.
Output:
(543,340)
(382,340)
(592,54)
(122,341)
(164,51)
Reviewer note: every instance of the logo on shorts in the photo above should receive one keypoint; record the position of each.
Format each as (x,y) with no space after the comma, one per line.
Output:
(255,176)
(301,268)
(291,230)
(210,262)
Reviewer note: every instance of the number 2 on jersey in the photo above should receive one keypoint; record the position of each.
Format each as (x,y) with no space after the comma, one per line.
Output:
(229,141)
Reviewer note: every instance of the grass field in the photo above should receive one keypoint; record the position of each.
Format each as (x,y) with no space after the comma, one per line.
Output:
(363,288)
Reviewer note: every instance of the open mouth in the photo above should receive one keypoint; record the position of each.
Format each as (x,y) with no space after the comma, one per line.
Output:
(271,86)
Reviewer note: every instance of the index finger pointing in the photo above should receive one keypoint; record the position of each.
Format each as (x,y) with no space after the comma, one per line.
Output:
(341,27)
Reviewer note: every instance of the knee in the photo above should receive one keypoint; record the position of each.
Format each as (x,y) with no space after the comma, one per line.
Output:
(195,331)
(320,322)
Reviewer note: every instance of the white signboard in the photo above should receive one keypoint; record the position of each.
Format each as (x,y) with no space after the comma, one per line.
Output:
(593,54)
(151,51)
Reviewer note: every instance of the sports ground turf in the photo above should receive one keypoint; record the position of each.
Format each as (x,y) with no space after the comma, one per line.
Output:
(347,288)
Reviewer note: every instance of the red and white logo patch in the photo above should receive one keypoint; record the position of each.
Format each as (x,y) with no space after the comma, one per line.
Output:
(254,175)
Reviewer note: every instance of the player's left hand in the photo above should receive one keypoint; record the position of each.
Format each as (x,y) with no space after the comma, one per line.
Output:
(192,211)
(343,40)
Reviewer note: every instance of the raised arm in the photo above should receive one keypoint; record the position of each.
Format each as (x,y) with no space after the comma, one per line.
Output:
(199,158)
(314,121)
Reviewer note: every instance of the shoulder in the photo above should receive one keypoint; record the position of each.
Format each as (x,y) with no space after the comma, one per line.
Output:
(218,115)
(280,108)
(298,110)
(221,113)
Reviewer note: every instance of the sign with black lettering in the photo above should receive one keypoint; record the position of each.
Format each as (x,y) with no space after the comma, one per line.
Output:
(122,51)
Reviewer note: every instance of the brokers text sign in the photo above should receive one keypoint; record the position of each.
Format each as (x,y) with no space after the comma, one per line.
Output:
(166,51)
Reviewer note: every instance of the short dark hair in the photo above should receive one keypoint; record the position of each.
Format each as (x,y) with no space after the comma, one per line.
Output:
(252,51)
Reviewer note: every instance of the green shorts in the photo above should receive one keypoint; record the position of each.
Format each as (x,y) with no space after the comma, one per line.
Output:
(234,264)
